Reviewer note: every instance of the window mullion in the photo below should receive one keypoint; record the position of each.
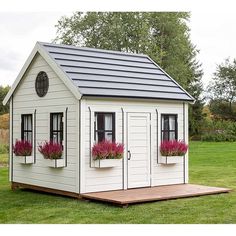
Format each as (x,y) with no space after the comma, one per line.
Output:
(100,131)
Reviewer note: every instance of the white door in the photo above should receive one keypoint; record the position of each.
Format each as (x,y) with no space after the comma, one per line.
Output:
(138,149)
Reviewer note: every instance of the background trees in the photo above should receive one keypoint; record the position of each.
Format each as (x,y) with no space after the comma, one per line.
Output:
(3,93)
(164,36)
(222,91)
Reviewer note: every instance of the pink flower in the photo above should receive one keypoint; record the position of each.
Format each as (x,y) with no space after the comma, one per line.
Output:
(50,150)
(173,148)
(107,150)
(22,148)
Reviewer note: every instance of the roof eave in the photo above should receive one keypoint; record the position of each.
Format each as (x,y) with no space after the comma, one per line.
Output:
(192,99)
(61,74)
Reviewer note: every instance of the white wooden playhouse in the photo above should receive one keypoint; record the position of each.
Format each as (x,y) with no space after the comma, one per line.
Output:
(79,96)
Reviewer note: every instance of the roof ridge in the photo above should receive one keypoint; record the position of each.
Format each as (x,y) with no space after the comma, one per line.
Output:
(93,49)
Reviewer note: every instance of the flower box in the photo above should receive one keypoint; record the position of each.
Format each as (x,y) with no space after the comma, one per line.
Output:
(23,152)
(166,160)
(55,163)
(24,159)
(107,163)
(107,154)
(172,151)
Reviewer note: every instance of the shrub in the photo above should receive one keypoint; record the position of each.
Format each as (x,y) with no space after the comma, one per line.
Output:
(219,131)
(173,148)
(50,150)
(218,137)
(4,148)
(22,148)
(107,150)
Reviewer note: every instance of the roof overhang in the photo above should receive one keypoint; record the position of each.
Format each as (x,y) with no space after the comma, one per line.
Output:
(192,99)
(61,74)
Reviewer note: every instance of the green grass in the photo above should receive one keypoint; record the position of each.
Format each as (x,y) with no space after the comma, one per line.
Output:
(211,164)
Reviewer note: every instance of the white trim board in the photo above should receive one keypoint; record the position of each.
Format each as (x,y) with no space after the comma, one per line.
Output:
(61,74)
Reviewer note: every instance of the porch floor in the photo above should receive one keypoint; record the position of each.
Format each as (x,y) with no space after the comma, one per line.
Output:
(138,195)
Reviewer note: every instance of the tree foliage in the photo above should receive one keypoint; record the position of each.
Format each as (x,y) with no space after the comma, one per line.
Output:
(164,36)
(3,93)
(222,91)
(220,109)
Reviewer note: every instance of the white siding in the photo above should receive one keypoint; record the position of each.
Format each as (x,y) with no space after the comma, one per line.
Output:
(57,99)
(111,179)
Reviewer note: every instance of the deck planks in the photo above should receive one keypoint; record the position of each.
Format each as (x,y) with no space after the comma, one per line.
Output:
(139,195)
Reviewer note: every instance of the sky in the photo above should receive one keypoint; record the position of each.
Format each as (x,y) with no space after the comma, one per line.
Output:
(212,32)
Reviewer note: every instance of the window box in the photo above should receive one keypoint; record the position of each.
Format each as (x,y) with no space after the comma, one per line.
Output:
(24,159)
(107,163)
(166,160)
(55,163)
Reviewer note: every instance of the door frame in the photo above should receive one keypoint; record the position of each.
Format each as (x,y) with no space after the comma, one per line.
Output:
(149,151)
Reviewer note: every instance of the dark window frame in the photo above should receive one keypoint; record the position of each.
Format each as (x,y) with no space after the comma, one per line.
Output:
(57,131)
(41,84)
(25,129)
(168,130)
(113,130)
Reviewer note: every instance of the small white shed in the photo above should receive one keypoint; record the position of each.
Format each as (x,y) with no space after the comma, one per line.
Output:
(79,96)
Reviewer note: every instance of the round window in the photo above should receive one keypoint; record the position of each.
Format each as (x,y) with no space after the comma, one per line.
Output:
(41,84)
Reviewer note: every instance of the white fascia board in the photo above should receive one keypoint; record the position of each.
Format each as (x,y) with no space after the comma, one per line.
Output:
(61,74)
(191,102)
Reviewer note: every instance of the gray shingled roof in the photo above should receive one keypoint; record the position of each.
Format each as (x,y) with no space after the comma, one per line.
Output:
(115,74)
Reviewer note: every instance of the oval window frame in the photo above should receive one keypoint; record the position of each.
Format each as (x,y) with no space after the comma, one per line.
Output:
(41,87)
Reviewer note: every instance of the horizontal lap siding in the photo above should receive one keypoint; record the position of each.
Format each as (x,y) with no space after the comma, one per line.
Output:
(100,179)
(111,179)
(57,99)
(167,174)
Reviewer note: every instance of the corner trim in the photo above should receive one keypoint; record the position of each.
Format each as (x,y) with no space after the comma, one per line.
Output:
(65,123)
(184,138)
(34,136)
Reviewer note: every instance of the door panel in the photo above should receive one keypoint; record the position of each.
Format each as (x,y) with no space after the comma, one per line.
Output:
(138,146)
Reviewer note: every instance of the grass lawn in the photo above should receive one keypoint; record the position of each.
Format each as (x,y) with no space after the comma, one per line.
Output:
(211,164)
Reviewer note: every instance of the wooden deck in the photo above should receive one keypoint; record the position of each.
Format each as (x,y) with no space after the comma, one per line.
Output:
(130,196)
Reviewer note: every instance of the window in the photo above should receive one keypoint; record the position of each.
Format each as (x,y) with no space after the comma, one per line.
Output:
(26,127)
(56,127)
(41,84)
(169,127)
(104,126)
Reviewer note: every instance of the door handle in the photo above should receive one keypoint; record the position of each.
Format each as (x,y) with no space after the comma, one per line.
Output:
(129,155)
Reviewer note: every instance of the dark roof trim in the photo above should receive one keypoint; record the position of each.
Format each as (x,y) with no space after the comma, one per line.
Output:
(86,67)
(101,57)
(105,63)
(119,76)
(103,51)
(135,83)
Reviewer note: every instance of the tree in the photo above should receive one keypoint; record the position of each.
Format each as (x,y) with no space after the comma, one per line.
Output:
(222,91)
(3,93)
(164,36)
(220,109)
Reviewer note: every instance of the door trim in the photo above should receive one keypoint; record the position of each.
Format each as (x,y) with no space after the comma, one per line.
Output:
(127,143)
